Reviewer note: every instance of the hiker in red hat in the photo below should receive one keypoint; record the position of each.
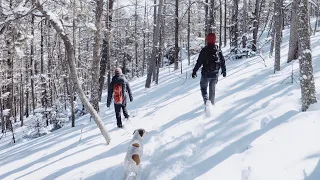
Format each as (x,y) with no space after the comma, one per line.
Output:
(118,89)
(211,60)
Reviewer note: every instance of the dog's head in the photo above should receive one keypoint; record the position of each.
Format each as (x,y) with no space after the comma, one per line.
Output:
(141,132)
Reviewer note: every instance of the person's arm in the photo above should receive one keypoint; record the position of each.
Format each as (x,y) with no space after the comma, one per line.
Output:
(110,92)
(223,64)
(129,91)
(199,62)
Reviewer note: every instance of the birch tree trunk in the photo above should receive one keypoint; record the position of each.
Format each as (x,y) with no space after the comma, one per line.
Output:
(73,72)
(153,58)
(293,41)
(308,90)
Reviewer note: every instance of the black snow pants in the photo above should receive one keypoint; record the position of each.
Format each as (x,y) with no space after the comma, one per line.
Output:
(117,108)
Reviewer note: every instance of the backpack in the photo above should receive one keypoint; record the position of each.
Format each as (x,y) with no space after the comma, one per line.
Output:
(211,62)
(118,96)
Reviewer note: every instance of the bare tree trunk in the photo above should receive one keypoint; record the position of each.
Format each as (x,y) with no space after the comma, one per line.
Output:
(308,92)
(245,16)
(225,23)
(105,60)
(188,36)
(32,63)
(1,112)
(220,28)
(176,36)
(155,17)
(161,43)
(136,40)
(277,26)
(206,18)
(212,28)
(234,27)
(73,72)
(255,25)
(144,38)
(71,86)
(21,100)
(293,41)
(95,67)
(152,61)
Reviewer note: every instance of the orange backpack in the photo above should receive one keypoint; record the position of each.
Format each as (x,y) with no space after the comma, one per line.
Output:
(117,94)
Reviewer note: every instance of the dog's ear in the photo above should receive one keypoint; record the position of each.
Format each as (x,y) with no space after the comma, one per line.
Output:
(142,132)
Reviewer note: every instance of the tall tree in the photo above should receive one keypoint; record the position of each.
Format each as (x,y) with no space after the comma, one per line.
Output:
(256,25)
(278,26)
(153,58)
(308,90)
(225,23)
(176,36)
(293,41)
(105,58)
(234,26)
(212,28)
(95,66)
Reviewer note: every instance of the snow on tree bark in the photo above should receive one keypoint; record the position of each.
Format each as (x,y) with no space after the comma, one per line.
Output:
(307,84)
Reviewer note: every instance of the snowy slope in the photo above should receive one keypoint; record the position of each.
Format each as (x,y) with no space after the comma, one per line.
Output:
(257,131)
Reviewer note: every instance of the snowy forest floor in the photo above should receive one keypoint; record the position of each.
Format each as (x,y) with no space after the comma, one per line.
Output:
(257,131)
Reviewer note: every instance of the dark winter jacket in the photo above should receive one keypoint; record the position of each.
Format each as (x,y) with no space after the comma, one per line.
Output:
(119,79)
(207,71)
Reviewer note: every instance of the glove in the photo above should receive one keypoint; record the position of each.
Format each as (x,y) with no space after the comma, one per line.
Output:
(194,75)
(108,105)
(224,74)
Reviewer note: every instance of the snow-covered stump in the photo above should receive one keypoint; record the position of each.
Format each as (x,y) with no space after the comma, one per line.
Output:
(133,158)
(308,90)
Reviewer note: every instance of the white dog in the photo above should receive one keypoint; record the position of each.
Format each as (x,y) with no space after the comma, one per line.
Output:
(133,157)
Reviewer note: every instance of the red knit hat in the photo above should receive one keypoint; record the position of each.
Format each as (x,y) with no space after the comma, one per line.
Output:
(211,39)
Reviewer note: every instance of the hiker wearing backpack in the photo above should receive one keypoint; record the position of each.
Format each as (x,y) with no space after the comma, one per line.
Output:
(118,88)
(211,60)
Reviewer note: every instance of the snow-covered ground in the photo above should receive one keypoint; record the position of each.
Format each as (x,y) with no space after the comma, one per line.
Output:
(257,131)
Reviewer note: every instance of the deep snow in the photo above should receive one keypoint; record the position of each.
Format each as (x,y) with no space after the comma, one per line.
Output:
(257,131)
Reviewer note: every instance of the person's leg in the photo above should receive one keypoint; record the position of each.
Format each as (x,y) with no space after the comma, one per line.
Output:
(117,108)
(212,89)
(204,86)
(125,111)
